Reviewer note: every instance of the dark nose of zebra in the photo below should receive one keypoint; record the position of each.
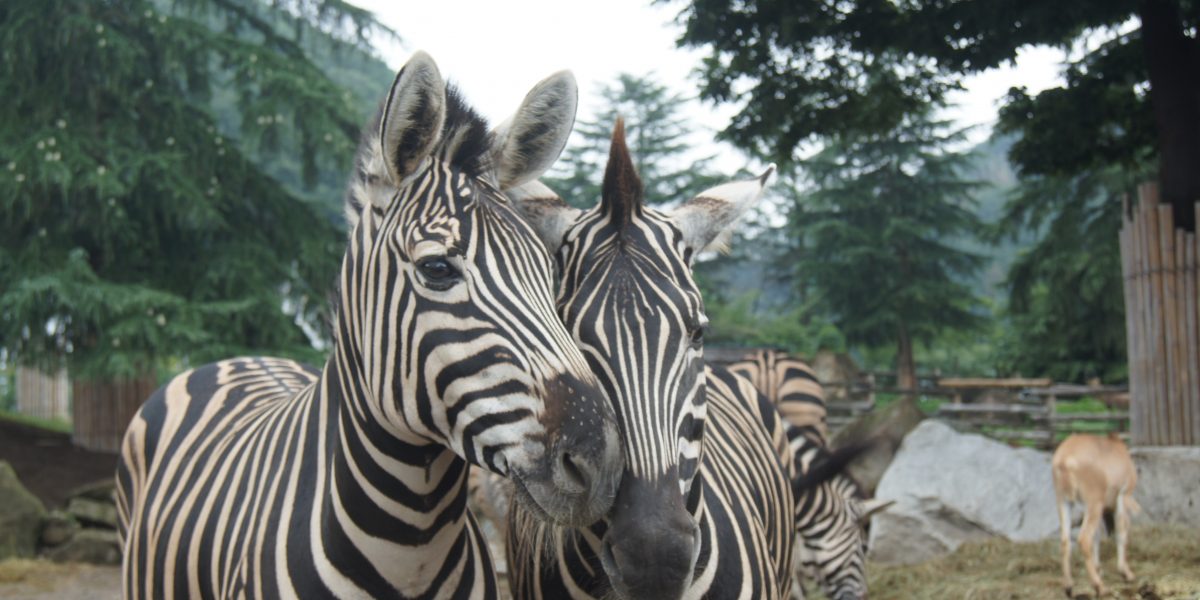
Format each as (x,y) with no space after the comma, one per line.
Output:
(586,459)
(652,543)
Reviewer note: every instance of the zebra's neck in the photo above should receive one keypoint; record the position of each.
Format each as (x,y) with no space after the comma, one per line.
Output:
(393,513)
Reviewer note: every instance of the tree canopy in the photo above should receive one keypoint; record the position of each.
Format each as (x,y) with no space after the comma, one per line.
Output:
(806,69)
(135,225)
(877,238)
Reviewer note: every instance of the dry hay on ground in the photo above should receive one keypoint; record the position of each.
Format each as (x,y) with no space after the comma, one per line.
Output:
(1165,559)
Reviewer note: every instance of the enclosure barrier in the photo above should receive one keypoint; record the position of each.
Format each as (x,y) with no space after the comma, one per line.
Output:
(1162,323)
(102,410)
(43,395)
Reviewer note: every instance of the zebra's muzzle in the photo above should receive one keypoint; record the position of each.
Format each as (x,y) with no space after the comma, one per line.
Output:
(574,480)
(652,543)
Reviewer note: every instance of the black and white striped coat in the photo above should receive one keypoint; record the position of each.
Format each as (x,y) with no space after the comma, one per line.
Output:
(705,505)
(261,478)
(830,516)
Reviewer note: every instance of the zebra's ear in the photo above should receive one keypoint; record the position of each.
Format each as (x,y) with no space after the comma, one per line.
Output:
(868,508)
(545,211)
(413,116)
(525,145)
(706,217)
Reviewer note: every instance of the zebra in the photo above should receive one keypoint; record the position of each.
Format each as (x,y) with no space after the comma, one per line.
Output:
(792,385)
(705,503)
(831,518)
(259,477)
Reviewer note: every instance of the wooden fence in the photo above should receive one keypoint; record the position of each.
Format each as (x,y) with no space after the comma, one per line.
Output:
(1033,414)
(42,395)
(102,410)
(1162,323)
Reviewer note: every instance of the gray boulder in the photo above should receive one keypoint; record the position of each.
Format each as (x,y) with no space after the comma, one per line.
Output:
(21,516)
(951,488)
(93,513)
(887,427)
(1168,484)
(96,546)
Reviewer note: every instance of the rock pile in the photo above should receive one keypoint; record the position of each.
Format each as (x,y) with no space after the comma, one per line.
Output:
(86,531)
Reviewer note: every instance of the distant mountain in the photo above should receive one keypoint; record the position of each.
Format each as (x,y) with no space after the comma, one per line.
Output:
(990,166)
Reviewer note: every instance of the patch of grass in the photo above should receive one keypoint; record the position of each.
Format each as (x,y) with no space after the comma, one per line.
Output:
(26,570)
(56,425)
(1166,560)
(1085,404)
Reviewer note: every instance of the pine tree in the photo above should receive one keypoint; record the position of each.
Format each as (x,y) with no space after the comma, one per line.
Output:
(1065,303)
(876,238)
(135,229)
(659,138)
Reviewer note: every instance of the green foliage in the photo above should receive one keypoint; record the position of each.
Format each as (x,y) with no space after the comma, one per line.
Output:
(736,323)
(809,69)
(658,137)
(134,226)
(56,425)
(873,234)
(1065,301)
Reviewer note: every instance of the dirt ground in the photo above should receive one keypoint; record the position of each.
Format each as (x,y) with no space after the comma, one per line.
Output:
(1165,560)
(43,580)
(48,465)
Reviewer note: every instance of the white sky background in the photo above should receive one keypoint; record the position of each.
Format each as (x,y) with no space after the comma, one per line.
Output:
(496,50)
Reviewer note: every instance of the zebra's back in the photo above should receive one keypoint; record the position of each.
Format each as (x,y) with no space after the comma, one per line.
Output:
(793,386)
(185,478)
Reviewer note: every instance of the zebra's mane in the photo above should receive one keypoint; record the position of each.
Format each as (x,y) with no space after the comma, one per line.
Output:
(621,196)
(464,142)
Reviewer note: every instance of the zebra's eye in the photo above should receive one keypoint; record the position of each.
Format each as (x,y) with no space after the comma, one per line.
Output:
(698,335)
(438,273)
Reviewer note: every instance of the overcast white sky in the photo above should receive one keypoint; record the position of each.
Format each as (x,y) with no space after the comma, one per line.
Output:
(496,50)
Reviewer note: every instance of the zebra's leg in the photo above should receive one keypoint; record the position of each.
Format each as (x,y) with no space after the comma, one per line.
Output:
(1064,524)
(1122,537)
(1089,544)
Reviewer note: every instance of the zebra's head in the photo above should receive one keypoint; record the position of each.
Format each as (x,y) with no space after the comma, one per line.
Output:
(836,557)
(628,297)
(447,305)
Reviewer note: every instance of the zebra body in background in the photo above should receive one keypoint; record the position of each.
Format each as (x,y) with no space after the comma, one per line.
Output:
(705,503)
(260,478)
(794,388)
(831,517)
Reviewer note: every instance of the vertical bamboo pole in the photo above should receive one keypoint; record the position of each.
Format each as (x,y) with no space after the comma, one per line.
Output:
(1182,378)
(1192,354)
(1166,268)
(1156,370)
(1127,285)
(1137,257)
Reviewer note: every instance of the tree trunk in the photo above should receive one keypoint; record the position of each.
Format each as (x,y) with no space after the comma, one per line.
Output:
(906,369)
(1173,62)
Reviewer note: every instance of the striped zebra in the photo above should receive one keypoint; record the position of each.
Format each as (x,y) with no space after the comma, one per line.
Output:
(831,518)
(262,478)
(793,386)
(705,503)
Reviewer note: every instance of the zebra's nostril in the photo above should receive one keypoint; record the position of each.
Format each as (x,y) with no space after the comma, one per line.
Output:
(573,472)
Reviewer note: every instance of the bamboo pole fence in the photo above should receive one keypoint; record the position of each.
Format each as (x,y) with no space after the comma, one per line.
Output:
(1162,323)
(43,395)
(102,410)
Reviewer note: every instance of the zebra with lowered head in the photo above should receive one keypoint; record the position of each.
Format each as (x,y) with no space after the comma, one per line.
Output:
(257,477)
(705,503)
(831,517)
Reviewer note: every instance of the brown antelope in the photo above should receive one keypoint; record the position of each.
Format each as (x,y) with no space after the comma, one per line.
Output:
(1099,472)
